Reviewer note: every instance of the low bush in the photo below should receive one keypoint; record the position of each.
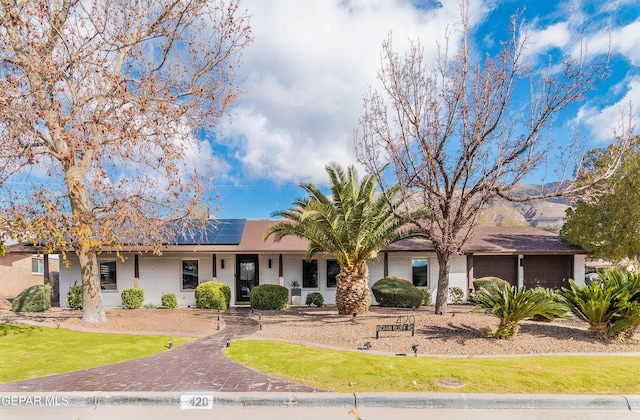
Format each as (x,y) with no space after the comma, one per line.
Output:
(74,297)
(213,295)
(169,300)
(397,293)
(456,295)
(315,299)
(486,281)
(269,297)
(132,297)
(426,296)
(34,299)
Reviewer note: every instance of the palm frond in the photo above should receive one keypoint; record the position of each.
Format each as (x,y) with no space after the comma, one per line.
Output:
(353,225)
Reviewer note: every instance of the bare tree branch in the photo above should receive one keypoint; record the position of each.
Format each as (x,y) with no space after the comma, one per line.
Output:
(456,138)
(107,98)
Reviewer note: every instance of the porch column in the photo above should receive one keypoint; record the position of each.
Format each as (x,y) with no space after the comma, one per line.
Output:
(386,265)
(470,273)
(214,271)
(47,280)
(280,271)
(136,271)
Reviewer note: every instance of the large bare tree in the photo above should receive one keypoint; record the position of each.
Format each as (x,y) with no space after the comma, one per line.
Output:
(102,105)
(457,137)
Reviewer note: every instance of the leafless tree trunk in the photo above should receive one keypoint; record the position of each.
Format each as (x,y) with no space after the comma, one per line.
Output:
(456,137)
(101,103)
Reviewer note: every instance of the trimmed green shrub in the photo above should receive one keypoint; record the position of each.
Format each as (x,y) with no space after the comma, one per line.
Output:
(74,297)
(456,295)
(34,299)
(315,299)
(169,300)
(132,297)
(485,281)
(397,293)
(269,297)
(213,295)
(426,296)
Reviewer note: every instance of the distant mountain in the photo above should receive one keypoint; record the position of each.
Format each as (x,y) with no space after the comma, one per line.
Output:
(542,214)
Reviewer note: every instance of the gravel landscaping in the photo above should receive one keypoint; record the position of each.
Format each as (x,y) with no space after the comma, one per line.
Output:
(458,333)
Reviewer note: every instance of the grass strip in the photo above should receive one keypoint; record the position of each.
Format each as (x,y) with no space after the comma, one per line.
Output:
(31,351)
(344,371)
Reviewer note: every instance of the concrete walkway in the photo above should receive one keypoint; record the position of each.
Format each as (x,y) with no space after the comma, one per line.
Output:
(197,366)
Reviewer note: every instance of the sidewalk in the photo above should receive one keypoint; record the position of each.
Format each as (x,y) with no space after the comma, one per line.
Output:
(433,401)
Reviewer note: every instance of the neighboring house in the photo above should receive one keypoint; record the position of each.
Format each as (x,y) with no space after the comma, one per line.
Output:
(232,251)
(19,271)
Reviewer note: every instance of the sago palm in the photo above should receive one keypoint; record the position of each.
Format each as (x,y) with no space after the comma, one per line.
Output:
(611,305)
(352,225)
(512,304)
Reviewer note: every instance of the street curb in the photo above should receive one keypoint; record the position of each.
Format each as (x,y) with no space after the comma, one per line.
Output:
(324,400)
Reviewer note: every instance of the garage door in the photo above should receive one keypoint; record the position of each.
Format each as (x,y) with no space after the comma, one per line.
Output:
(552,271)
(502,266)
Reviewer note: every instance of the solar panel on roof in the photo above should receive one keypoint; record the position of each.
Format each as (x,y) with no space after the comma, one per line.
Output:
(212,232)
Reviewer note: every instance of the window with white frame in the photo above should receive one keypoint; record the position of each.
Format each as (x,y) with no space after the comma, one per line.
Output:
(310,274)
(108,281)
(189,274)
(37,265)
(420,271)
(333,268)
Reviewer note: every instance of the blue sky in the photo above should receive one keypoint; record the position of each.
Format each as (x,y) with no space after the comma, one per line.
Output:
(311,62)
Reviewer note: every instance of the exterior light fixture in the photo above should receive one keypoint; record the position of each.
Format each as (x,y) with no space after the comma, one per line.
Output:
(170,344)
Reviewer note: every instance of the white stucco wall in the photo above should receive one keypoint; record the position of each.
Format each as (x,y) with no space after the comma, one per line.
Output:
(579,263)
(161,274)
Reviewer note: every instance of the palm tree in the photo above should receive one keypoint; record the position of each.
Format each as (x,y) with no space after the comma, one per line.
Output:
(352,225)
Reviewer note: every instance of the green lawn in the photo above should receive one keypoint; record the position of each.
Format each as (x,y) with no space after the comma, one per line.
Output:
(29,352)
(342,371)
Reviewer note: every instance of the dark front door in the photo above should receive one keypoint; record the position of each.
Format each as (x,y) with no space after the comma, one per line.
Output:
(247,276)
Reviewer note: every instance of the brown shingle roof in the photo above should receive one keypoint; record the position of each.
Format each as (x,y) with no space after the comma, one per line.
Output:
(484,240)
(519,239)
(501,240)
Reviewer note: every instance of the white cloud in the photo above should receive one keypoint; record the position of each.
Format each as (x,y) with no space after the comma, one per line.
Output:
(624,40)
(601,121)
(554,36)
(576,32)
(306,73)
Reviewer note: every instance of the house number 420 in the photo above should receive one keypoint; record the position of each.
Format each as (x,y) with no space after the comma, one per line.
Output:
(196,401)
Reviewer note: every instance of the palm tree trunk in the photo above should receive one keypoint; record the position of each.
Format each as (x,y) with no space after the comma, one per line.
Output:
(352,291)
